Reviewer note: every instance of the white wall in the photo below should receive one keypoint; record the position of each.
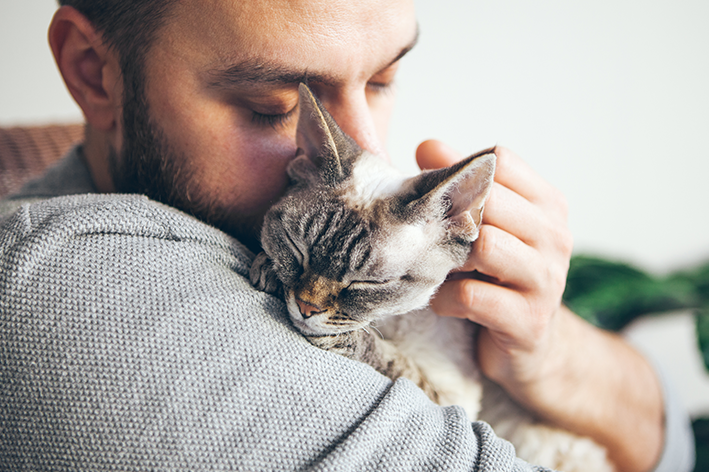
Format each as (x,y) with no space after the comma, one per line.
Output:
(31,89)
(607,99)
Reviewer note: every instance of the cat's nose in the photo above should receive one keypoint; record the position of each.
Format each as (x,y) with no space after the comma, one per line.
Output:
(308,310)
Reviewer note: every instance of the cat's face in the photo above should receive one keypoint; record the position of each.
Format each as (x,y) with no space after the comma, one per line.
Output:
(353,242)
(344,266)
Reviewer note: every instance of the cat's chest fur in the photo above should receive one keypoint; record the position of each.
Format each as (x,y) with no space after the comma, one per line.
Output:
(443,348)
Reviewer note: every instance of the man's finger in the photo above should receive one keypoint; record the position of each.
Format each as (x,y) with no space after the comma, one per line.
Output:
(514,214)
(515,174)
(483,303)
(434,154)
(506,259)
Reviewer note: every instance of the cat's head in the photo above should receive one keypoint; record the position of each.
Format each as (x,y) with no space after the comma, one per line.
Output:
(352,241)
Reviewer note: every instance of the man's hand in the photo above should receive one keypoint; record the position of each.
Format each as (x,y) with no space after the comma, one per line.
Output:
(552,362)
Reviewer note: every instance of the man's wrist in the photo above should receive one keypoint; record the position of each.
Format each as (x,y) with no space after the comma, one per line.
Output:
(592,383)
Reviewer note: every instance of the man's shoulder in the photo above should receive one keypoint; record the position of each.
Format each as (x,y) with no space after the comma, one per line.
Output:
(64,200)
(138,220)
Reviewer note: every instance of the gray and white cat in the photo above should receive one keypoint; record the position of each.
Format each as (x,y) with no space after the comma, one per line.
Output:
(355,248)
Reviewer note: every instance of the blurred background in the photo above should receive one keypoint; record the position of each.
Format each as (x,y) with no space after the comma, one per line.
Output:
(608,100)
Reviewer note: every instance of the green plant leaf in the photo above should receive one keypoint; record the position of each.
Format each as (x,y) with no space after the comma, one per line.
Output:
(611,294)
(703,334)
(701,438)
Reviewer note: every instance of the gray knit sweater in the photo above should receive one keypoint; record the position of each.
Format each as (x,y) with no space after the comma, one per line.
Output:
(132,340)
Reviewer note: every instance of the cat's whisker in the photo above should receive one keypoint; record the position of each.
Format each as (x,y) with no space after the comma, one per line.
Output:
(375,329)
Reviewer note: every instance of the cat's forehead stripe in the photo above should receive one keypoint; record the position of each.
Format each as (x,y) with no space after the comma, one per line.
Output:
(338,238)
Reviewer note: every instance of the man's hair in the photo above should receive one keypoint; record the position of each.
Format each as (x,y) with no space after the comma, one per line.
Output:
(127,26)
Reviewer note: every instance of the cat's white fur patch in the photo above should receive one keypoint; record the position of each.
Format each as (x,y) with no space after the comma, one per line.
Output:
(373,178)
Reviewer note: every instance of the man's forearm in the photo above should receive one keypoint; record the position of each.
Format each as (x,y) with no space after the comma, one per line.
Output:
(594,384)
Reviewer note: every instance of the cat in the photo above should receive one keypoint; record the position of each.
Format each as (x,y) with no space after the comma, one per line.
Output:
(357,250)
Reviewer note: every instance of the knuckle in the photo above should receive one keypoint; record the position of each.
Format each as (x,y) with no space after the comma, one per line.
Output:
(557,203)
(558,280)
(559,238)
(565,241)
(568,242)
(562,202)
(503,156)
(539,280)
(538,328)
(465,298)
(554,280)
(486,244)
(538,322)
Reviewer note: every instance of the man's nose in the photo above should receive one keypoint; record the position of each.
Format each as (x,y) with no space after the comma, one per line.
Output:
(351,111)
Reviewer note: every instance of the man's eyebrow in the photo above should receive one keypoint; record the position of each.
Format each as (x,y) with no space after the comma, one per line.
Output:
(254,72)
(257,72)
(405,50)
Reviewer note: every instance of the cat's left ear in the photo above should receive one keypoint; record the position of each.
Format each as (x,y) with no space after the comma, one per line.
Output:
(324,149)
(458,192)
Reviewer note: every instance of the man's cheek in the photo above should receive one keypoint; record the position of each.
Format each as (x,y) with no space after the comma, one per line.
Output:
(252,176)
(270,155)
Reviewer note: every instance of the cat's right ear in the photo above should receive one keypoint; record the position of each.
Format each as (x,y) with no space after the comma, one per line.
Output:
(324,150)
(457,194)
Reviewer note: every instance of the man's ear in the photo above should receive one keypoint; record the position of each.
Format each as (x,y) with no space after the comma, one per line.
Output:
(90,69)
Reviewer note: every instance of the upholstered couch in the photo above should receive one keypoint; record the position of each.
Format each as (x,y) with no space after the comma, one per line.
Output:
(26,151)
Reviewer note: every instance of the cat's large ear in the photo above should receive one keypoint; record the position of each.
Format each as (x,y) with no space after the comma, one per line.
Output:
(322,142)
(457,193)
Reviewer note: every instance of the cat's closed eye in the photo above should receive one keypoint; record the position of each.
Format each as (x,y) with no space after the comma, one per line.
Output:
(295,249)
(365,284)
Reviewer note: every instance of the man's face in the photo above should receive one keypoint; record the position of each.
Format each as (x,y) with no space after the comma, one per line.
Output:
(221,88)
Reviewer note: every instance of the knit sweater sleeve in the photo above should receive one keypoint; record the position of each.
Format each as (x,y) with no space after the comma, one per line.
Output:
(132,340)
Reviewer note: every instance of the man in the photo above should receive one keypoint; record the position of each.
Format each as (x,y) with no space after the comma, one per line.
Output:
(144,347)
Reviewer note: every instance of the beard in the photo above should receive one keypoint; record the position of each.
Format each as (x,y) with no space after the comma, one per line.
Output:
(149,165)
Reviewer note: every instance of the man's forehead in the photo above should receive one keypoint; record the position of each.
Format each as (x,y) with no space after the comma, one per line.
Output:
(234,31)
(258,71)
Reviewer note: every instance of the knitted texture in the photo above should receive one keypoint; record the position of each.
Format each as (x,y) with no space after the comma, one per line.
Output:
(132,340)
